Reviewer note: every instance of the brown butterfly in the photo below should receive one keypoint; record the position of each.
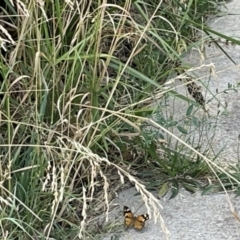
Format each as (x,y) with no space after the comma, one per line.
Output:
(130,220)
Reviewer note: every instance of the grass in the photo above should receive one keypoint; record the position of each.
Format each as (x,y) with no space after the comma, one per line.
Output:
(80,83)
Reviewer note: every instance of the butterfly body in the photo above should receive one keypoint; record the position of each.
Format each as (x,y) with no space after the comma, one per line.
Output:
(136,222)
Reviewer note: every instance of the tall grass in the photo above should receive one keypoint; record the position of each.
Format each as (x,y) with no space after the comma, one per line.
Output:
(79,78)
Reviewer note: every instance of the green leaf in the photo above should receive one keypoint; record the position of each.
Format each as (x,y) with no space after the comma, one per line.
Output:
(182,129)
(237,192)
(182,97)
(190,187)
(133,72)
(189,110)
(193,182)
(163,189)
(171,124)
(210,189)
(142,112)
(195,121)
(174,189)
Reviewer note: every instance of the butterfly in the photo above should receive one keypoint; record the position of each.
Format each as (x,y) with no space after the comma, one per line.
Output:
(130,220)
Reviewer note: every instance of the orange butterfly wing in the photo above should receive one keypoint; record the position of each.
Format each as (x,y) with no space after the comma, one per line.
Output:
(128,217)
(140,220)
(130,220)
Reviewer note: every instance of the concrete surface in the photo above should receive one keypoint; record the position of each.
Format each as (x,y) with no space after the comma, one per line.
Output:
(186,217)
(199,217)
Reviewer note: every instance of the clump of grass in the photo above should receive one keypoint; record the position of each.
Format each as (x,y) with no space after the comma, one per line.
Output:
(78,81)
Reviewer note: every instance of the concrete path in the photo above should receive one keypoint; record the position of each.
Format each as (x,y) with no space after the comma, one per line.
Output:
(187,217)
(197,217)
